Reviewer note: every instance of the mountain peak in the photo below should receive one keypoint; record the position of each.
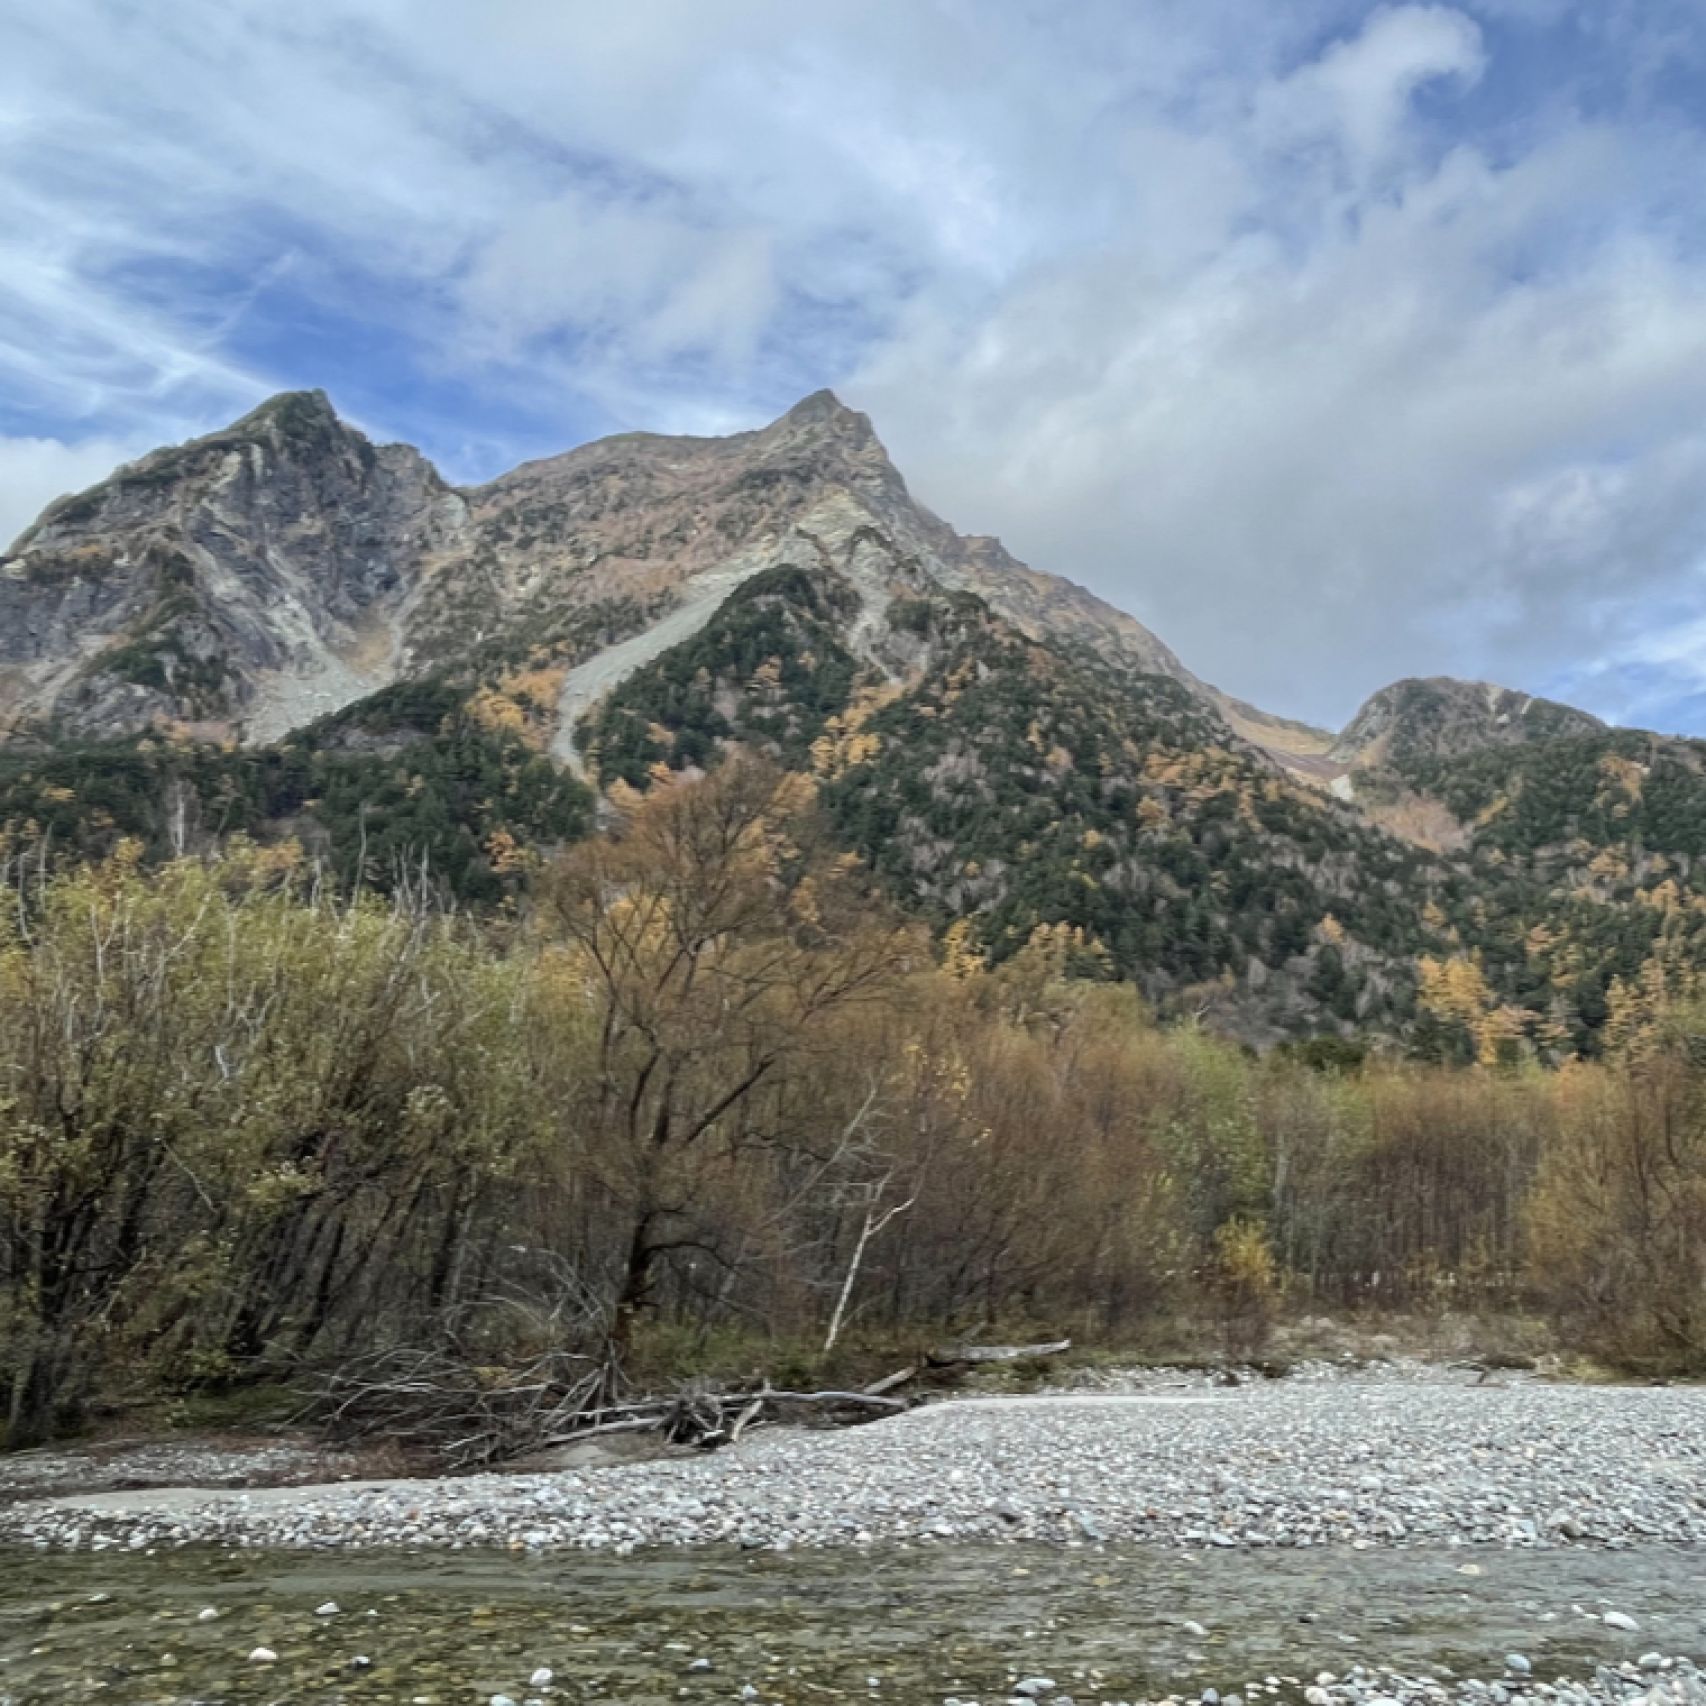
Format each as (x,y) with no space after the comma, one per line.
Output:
(1440,716)
(824,413)
(295,413)
(822,404)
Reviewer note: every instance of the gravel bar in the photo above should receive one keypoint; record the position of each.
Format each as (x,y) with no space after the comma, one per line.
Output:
(1655,1681)
(1281,1463)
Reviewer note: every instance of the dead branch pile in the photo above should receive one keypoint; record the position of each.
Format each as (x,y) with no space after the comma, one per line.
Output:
(470,1416)
(465,1414)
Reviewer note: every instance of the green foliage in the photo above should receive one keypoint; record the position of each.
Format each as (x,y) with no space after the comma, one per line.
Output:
(1328,1054)
(766,670)
(405,783)
(1621,788)
(1019,787)
(1583,870)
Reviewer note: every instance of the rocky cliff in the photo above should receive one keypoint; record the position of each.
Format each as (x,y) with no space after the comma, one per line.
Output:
(242,583)
(253,580)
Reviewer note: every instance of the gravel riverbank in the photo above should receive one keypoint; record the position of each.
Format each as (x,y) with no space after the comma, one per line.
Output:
(1274,1464)
(1658,1681)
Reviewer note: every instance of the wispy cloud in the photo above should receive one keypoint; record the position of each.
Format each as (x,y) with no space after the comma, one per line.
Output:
(1338,341)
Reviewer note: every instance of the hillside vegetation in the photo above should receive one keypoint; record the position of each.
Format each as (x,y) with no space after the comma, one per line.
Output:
(715,1081)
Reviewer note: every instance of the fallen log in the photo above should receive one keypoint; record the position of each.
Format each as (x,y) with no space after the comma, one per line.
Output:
(699,1420)
(889,1382)
(745,1419)
(632,1425)
(857,1400)
(955,1355)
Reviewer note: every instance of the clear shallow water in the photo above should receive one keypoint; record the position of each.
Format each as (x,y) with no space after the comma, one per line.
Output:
(809,1627)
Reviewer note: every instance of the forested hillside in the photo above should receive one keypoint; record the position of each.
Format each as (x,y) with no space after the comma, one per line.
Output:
(285,632)
(420,783)
(1582,853)
(914,951)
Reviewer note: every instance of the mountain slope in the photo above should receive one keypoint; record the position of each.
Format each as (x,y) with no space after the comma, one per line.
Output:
(248,580)
(285,630)
(1010,785)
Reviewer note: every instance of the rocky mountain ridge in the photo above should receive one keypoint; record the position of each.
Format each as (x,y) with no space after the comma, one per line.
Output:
(238,583)
(246,582)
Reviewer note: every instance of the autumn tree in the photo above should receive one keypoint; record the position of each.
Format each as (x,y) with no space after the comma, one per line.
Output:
(1619,1213)
(721,941)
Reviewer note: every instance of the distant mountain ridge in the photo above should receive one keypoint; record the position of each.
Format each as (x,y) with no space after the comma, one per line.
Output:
(1444,718)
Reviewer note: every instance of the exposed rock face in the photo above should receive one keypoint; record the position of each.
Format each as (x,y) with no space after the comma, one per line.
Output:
(1417,720)
(248,581)
(251,581)
(640,515)
(263,576)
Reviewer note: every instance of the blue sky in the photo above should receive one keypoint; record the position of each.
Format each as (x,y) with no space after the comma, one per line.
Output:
(1336,341)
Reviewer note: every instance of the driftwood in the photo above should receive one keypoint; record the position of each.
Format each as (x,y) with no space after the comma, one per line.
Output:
(463,1413)
(853,1400)
(889,1382)
(954,1355)
(745,1420)
(469,1416)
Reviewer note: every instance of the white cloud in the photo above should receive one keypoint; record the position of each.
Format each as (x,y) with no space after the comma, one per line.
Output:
(1359,91)
(1329,338)
(35,471)
(652,278)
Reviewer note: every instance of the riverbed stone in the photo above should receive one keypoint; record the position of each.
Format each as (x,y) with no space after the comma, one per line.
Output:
(1376,1461)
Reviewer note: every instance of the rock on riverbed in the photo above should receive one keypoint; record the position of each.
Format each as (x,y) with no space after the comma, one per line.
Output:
(1276,1464)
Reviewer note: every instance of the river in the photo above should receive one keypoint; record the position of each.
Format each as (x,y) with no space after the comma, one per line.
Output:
(699,1626)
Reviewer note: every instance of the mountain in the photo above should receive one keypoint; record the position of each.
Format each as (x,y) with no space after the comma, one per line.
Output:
(286,630)
(245,581)
(1439,718)
(254,579)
